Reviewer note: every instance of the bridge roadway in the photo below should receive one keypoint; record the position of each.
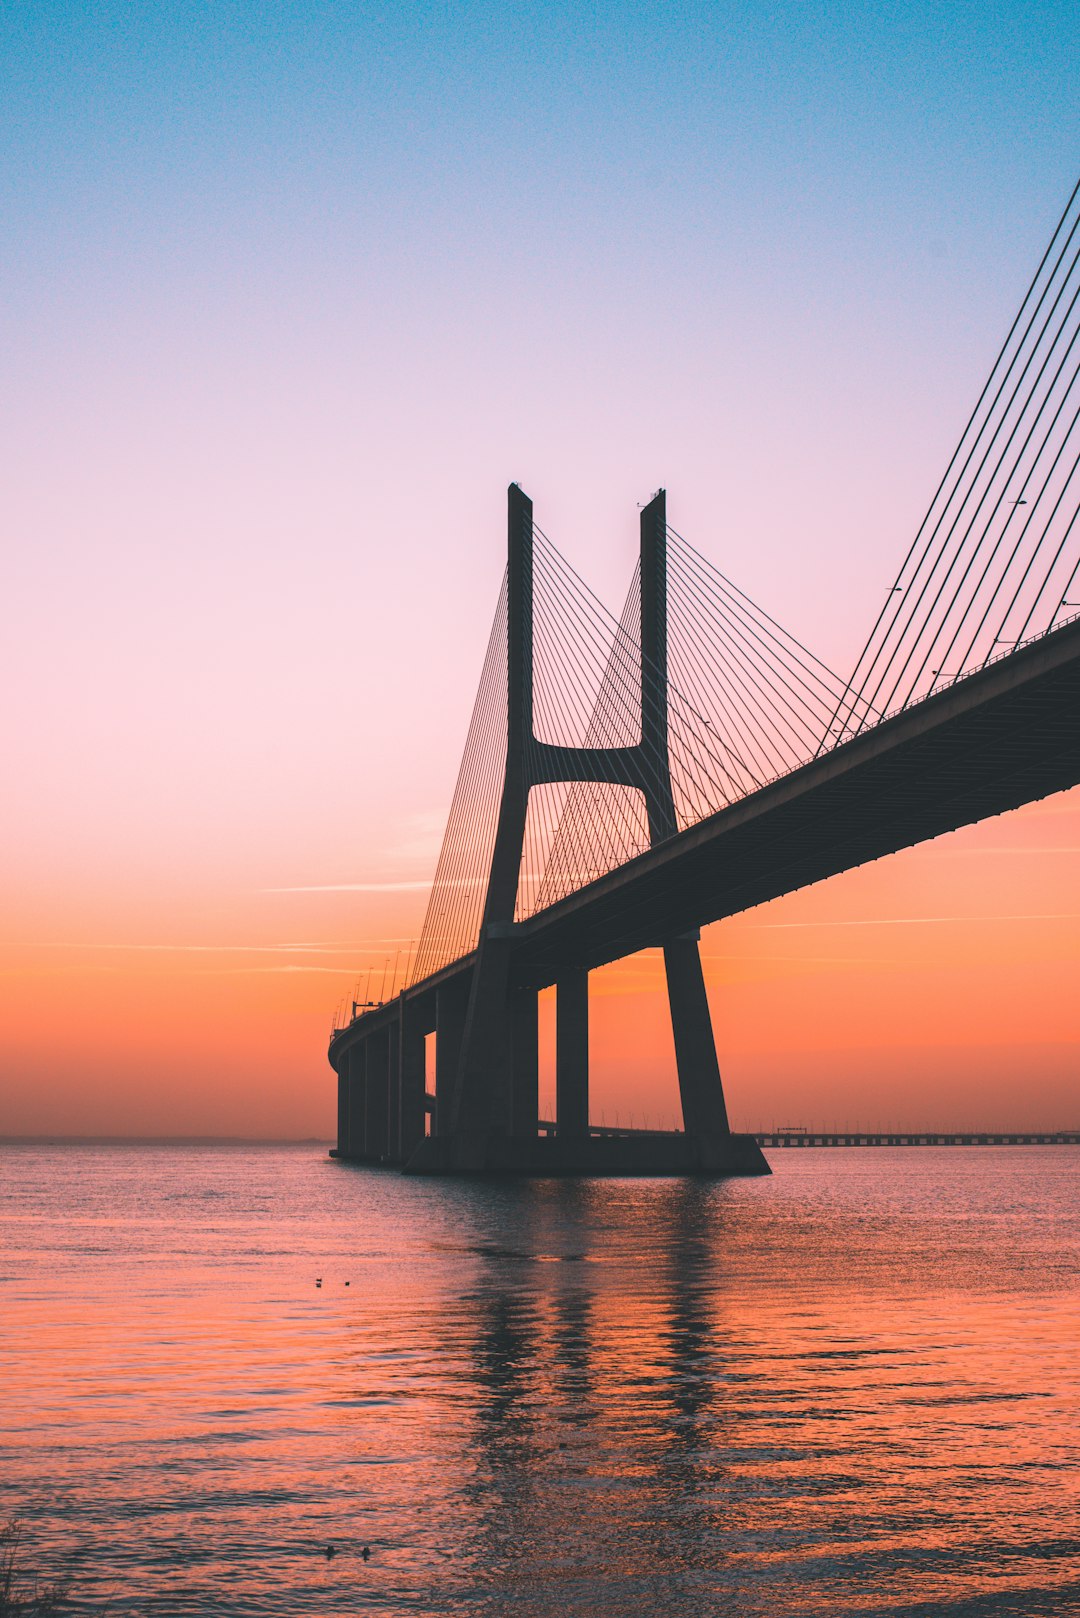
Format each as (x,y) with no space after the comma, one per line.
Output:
(1003,736)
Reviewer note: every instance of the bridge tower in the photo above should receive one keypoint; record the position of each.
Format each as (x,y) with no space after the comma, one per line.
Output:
(489,1121)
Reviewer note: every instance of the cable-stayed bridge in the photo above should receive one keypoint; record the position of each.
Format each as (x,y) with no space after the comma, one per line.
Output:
(627,780)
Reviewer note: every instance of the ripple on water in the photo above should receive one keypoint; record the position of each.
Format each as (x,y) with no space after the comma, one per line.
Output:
(849,1389)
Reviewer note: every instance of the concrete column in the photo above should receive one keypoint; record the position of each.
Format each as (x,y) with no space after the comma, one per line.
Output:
(572,1054)
(393,1092)
(450,1006)
(413,1082)
(700,1088)
(357,1137)
(482,1105)
(377,1142)
(524,1064)
(482,1098)
(343,1105)
(659,803)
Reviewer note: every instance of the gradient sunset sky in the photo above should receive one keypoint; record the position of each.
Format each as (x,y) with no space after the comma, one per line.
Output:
(291,293)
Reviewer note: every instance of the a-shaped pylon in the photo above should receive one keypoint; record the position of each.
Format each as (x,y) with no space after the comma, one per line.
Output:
(494,1089)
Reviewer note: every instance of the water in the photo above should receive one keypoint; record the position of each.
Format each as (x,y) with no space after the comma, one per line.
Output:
(851,1388)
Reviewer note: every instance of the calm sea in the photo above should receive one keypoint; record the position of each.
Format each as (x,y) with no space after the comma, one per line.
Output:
(851,1388)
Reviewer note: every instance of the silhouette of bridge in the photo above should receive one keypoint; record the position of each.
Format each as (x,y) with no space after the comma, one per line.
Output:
(626,781)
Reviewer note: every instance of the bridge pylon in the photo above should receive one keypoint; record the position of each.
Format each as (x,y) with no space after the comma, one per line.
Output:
(488,1122)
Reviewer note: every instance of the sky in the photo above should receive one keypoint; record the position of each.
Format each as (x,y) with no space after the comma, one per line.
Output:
(290,294)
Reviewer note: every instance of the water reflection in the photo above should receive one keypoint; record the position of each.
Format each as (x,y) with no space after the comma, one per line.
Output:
(650,1429)
(849,1389)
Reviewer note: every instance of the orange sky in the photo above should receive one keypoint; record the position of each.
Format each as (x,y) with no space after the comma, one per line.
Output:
(935,987)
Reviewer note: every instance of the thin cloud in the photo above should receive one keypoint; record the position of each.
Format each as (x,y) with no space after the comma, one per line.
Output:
(356,887)
(249,971)
(193,949)
(802,960)
(1000,848)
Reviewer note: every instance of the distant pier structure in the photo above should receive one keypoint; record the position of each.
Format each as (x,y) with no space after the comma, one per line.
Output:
(782,1138)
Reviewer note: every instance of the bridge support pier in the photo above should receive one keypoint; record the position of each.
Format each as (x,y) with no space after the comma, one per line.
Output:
(412,1077)
(343,1104)
(524,1064)
(382,1084)
(450,1007)
(377,1098)
(572,1055)
(392,1151)
(701,1089)
(356,1085)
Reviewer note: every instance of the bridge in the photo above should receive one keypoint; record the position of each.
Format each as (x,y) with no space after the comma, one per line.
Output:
(627,781)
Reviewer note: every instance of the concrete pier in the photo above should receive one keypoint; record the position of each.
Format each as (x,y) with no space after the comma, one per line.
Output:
(572,1056)
(524,1064)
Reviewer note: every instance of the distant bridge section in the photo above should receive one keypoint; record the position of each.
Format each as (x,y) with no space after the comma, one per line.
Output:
(784,1138)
